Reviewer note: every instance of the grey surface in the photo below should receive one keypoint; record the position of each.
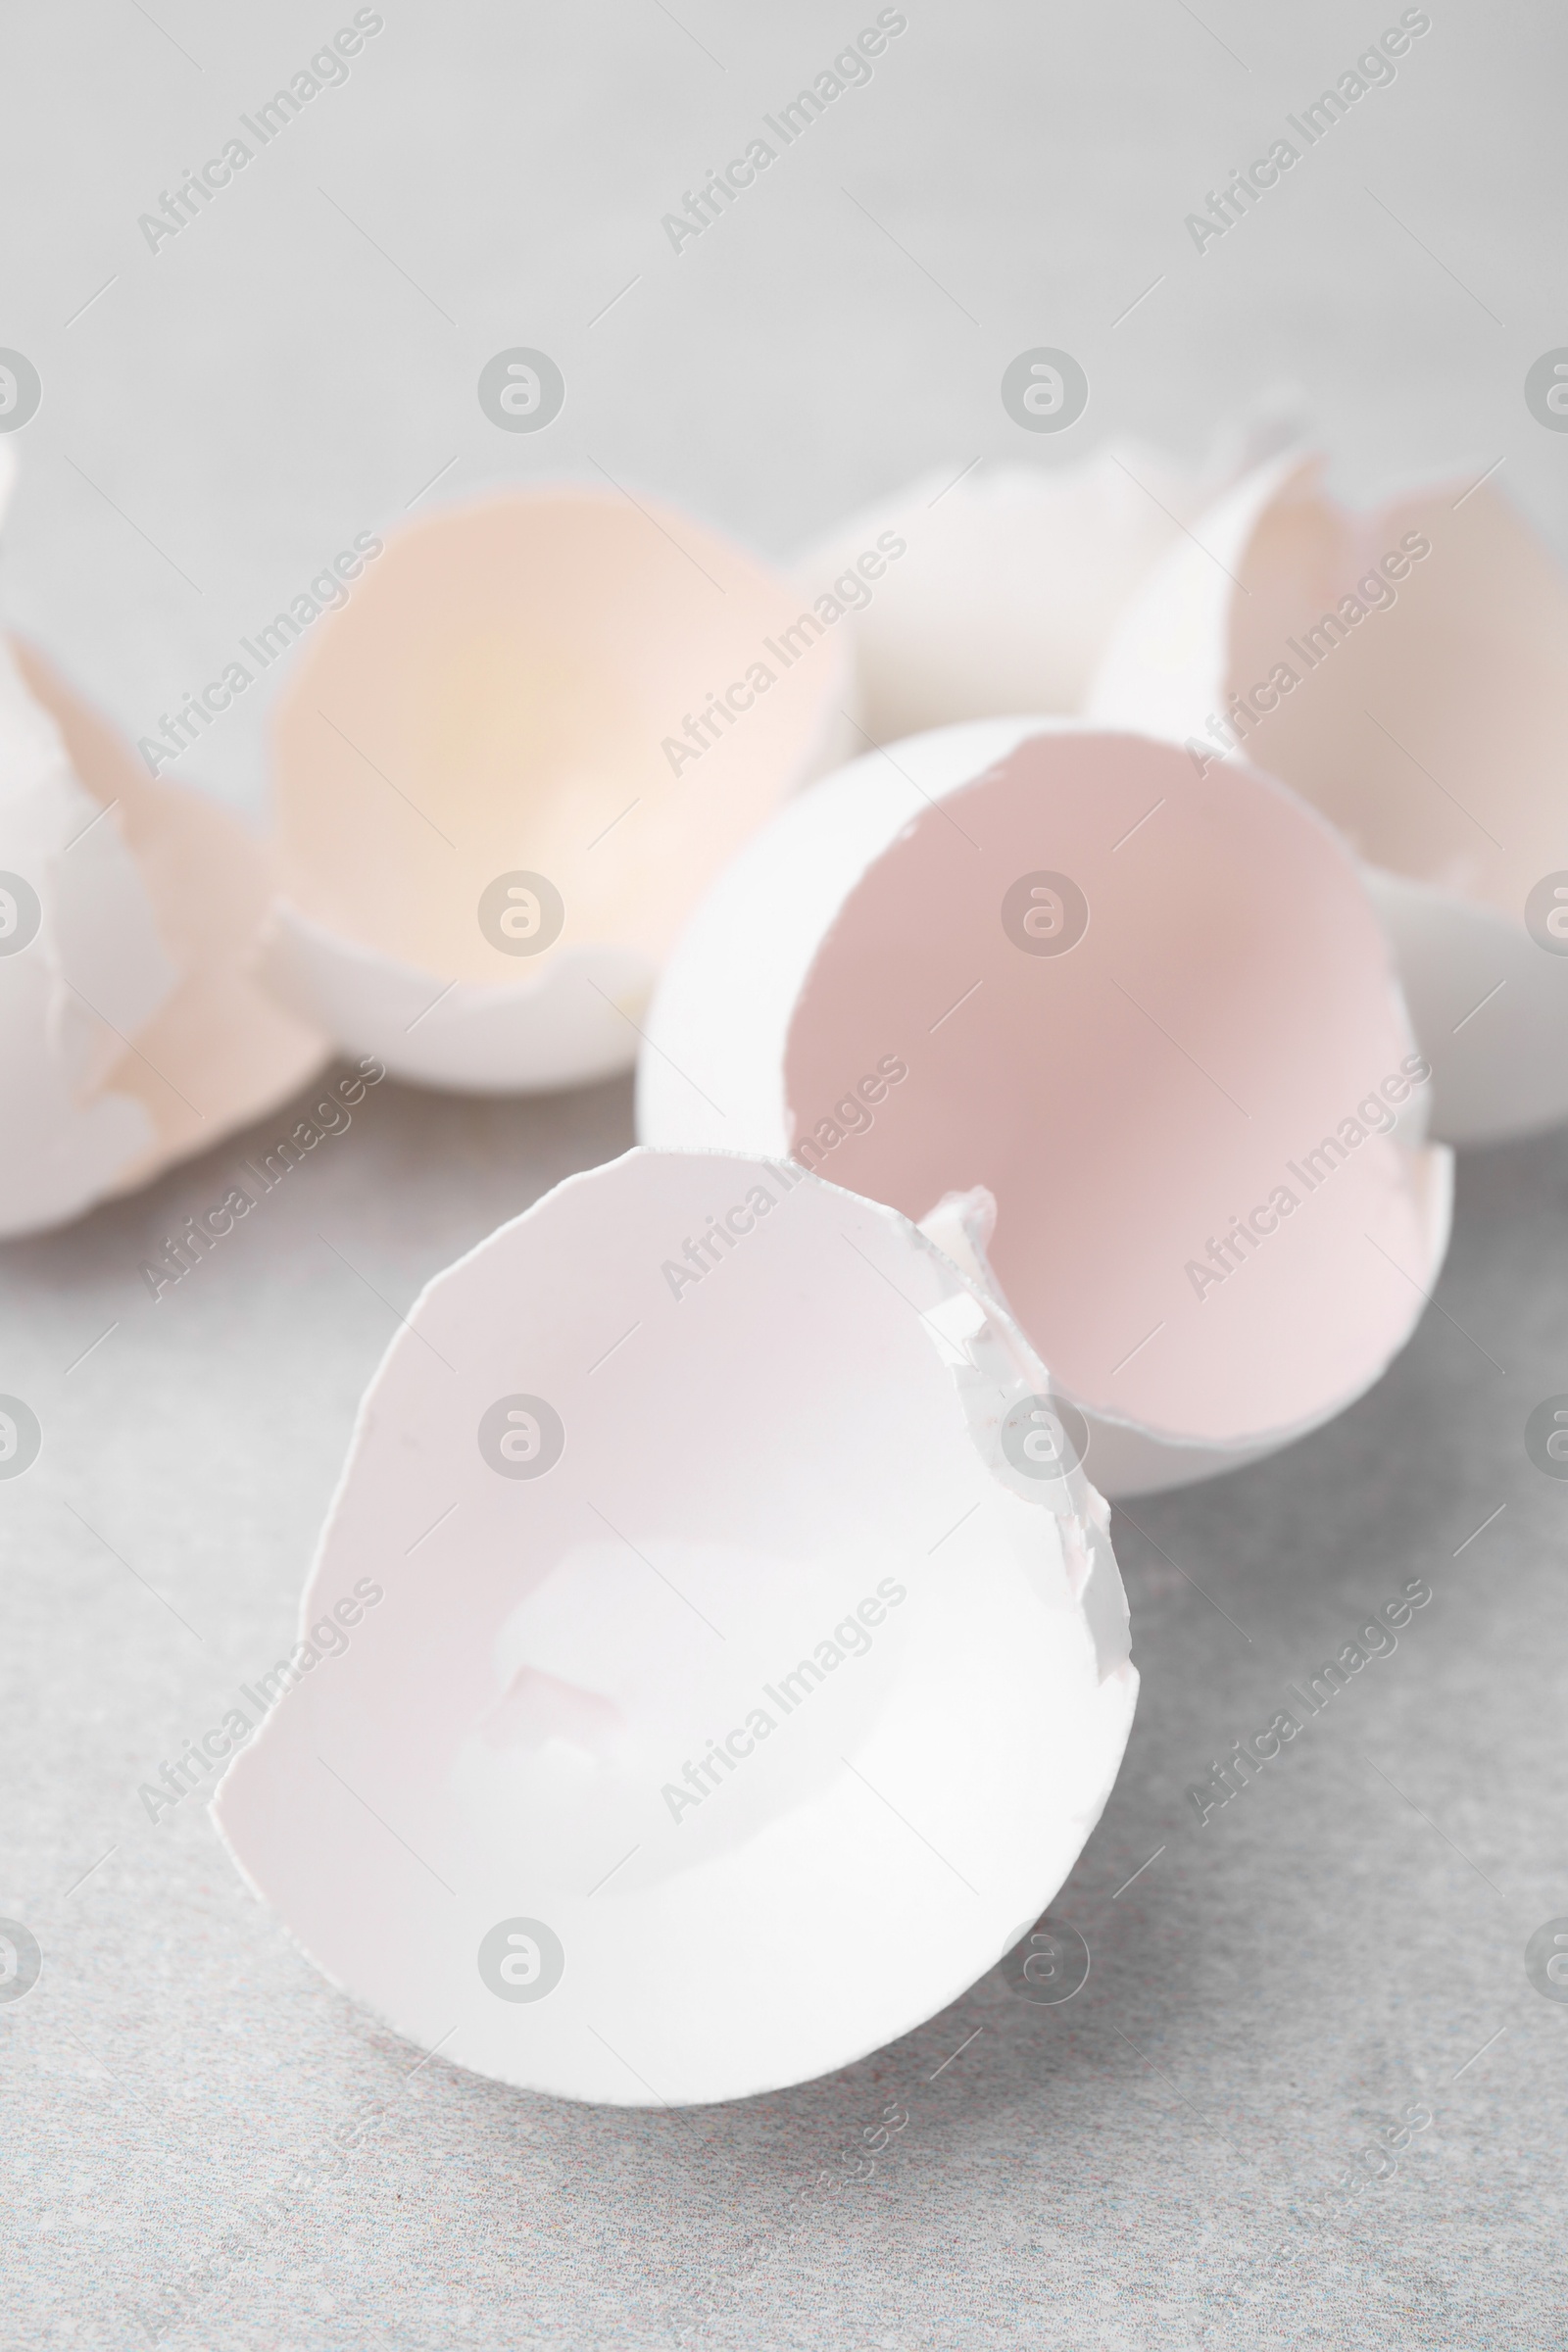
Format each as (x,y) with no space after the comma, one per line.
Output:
(1149,2165)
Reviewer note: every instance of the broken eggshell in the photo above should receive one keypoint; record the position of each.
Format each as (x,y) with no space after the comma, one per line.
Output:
(712,1655)
(1404,671)
(507,767)
(997,591)
(132,1032)
(1150,1014)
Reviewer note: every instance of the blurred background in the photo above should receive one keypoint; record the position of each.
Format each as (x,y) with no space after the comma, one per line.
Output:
(301,362)
(205,2144)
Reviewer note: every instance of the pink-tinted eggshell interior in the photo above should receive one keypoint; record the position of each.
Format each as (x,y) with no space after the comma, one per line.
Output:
(1224,1012)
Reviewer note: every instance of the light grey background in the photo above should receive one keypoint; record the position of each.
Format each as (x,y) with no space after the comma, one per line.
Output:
(1153,2165)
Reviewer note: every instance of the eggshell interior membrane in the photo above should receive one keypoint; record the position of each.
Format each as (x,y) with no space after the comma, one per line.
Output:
(216,1052)
(1226,1010)
(774,1667)
(508,690)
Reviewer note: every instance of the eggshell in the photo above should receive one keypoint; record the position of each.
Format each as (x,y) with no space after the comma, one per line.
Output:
(1428,718)
(1008,580)
(613,1501)
(130,1031)
(503,698)
(861,991)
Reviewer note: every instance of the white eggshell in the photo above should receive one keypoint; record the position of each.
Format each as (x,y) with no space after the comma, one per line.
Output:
(130,1031)
(565,1028)
(506,694)
(769,1504)
(1008,581)
(1428,720)
(849,994)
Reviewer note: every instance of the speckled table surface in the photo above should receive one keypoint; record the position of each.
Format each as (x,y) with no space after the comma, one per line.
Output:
(196,2129)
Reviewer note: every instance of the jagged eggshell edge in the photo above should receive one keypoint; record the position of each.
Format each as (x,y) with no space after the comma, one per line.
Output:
(740,1454)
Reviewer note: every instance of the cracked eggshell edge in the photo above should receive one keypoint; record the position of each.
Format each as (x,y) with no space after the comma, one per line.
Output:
(1086,1558)
(1450,949)
(713,1075)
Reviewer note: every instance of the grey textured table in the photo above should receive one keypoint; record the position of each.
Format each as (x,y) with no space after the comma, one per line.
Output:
(194,2125)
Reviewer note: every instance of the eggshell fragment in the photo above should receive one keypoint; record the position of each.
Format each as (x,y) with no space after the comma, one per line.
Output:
(508,766)
(130,1031)
(1129,1003)
(998,591)
(697,1682)
(1405,670)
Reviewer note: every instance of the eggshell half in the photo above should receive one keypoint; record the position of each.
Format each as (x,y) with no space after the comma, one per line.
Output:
(131,1030)
(1420,701)
(861,991)
(998,591)
(685,1643)
(506,695)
